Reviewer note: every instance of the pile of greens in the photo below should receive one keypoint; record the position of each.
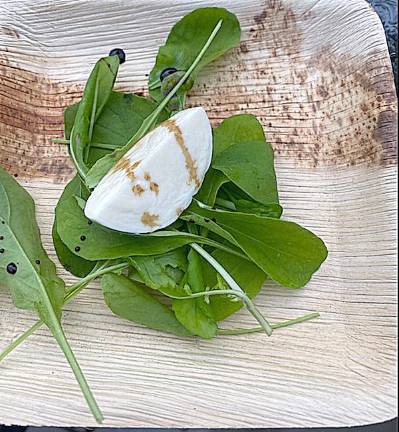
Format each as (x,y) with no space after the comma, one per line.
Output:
(203,268)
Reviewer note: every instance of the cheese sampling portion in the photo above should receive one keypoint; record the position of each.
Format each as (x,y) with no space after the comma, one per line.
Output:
(151,185)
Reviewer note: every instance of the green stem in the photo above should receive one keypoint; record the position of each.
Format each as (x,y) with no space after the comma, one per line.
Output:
(240,331)
(15,343)
(59,335)
(236,289)
(101,146)
(148,121)
(69,295)
(60,141)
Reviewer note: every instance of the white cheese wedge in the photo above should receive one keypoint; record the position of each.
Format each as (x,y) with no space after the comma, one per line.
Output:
(155,180)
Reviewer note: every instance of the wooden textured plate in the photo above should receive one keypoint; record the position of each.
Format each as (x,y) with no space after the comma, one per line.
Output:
(317,74)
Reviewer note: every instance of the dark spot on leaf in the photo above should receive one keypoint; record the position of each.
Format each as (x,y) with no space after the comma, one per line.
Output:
(77,248)
(1,237)
(213,219)
(1,250)
(12,268)
(15,175)
(120,53)
(89,222)
(166,72)
(37,262)
(207,220)
(83,238)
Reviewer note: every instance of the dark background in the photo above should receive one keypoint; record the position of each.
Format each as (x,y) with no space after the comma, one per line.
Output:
(388,12)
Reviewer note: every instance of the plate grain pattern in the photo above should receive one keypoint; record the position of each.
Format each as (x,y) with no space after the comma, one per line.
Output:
(317,74)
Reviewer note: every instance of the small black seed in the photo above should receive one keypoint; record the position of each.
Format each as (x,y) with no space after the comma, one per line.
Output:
(2,250)
(3,222)
(77,248)
(12,268)
(15,175)
(120,53)
(37,262)
(83,238)
(166,72)
(1,237)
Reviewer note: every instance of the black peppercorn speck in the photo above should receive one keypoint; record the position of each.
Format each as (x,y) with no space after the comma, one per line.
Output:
(120,53)
(166,72)
(12,268)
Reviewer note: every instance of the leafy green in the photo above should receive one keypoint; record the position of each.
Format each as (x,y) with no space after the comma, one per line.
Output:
(71,262)
(162,272)
(118,121)
(210,187)
(186,39)
(96,93)
(195,314)
(243,155)
(245,273)
(285,251)
(35,285)
(131,301)
(28,272)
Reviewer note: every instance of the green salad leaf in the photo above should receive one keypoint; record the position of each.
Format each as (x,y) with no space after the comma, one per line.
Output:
(28,272)
(119,120)
(131,301)
(211,185)
(70,261)
(96,93)
(162,272)
(284,250)
(195,314)
(186,39)
(243,155)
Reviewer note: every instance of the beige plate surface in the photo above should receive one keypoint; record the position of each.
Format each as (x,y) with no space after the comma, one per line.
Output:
(317,74)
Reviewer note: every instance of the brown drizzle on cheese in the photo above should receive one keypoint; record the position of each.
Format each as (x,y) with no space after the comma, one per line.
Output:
(149,219)
(190,163)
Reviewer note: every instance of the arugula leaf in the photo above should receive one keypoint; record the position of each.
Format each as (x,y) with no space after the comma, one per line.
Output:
(243,155)
(34,285)
(28,272)
(131,301)
(118,121)
(249,276)
(162,272)
(71,262)
(210,187)
(186,39)
(195,314)
(96,93)
(284,250)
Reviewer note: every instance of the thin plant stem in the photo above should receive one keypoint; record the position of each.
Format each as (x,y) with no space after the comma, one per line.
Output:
(234,286)
(240,331)
(60,141)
